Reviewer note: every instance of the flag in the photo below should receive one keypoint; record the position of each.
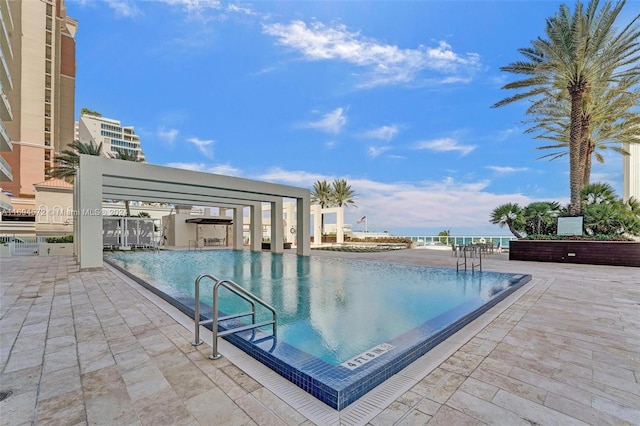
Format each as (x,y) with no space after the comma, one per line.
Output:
(362,219)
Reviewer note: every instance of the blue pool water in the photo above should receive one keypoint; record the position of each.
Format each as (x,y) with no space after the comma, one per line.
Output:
(331,311)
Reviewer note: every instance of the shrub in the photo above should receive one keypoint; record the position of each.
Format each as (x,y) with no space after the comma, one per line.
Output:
(65,239)
(595,237)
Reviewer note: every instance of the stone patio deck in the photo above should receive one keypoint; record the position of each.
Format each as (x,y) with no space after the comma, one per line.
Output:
(93,348)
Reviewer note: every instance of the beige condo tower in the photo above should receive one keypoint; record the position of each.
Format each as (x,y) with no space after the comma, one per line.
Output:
(38,83)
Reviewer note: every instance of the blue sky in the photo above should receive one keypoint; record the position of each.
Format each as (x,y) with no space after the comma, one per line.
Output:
(393,96)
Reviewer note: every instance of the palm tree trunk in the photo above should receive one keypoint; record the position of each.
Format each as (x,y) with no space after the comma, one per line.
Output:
(127,208)
(587,168)
(576,151)
(513,230)
(587,144)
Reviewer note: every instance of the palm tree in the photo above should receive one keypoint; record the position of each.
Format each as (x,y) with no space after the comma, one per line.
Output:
(582,51)
(608,121)
(69,159)
(598,193)
(127,155)
(321,194)
(509,214)
(343,194)
(541,217)
(605,213)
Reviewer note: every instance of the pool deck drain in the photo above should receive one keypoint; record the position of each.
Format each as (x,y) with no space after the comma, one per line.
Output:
(92,348)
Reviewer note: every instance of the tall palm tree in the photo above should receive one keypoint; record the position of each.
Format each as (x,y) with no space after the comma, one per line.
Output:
(510,215)
(127,155)
(321,194)
(68,160)
(582,50)
(609,120)
(343,194)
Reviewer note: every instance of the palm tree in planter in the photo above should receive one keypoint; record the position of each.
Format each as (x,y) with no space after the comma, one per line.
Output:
(605,213)
(541,218)
(127,155)
(510,215)
(581,51)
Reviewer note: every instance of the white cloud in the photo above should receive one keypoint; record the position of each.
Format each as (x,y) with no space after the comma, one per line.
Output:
(331,122)
(291,177)
(445,204)
(195,167)
(194,5)
(507,169)
(374,151)
(384,63)
(445,145)
(203,146)
(225,169)
(219,169)
(125,9)
(168,135)
(384,133)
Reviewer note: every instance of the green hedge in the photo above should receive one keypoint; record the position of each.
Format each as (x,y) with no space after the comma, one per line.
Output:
(65,239)
(595,237)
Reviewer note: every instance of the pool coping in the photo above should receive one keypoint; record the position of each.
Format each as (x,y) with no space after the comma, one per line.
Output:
(323,387)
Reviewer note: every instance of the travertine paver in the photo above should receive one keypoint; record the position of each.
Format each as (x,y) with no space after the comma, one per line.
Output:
(86,348)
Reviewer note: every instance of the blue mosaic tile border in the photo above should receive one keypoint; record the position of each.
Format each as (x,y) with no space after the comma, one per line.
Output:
(338,386)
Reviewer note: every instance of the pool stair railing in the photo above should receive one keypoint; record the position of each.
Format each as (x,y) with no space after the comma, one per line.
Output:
(463,262)
(215,321)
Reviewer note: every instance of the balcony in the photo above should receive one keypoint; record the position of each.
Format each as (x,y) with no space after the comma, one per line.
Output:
(5,106)
(4,35)
(47,129)
(5,77)
(5,171)
(5,140)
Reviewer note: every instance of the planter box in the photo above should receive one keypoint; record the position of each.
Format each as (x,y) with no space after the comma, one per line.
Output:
(5,250)
(55,249)
(616,253)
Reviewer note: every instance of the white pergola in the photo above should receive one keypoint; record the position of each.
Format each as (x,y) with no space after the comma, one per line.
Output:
(101,178)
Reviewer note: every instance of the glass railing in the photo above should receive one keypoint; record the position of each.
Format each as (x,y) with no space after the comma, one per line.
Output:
(460,239)
(5,167)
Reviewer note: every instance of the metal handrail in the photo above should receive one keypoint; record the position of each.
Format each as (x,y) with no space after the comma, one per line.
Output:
(240,292)
(196,246)
(473,264)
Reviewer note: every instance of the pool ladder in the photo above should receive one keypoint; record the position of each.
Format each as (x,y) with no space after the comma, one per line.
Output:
(215,320)
(473,264)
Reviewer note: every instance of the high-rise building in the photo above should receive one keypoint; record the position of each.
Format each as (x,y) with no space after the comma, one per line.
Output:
(631,172)
(6,84)
(110,133)
(38,81)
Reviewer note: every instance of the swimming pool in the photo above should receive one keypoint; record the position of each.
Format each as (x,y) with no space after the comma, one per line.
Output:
(344,325)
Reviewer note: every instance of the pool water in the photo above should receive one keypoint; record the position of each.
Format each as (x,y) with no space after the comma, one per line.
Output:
(330,311)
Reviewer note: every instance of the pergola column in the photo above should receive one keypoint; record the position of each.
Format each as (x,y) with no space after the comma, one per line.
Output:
(256,226)
(277,228)
(238,228)
(88,207)
(302,231)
